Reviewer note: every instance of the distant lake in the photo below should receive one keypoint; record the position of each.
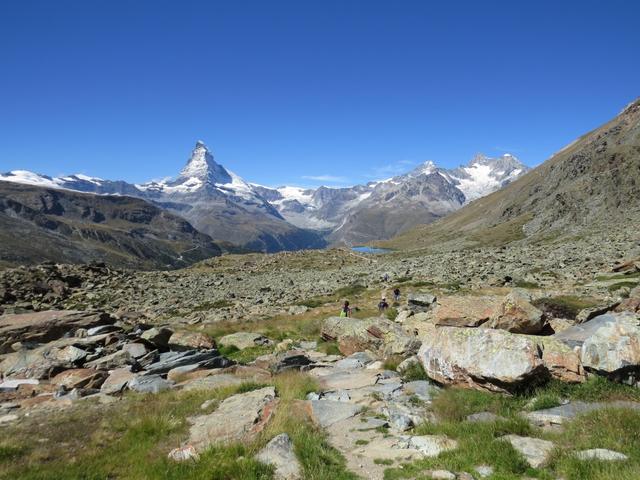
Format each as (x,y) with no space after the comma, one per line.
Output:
(365,249)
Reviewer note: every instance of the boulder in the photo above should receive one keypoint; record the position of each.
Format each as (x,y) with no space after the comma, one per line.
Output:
(203,359)
(149,384)
(420,302)
(378,335)
(535,451)
(517,315)
(280,454)
(45,326)
(488,359)
(242,340)
(608,345)
(80,378)
(117,380)
(562,362)
(159,336)
(427,445)
(190,341)
(592,312)
(465,311)
(238,418)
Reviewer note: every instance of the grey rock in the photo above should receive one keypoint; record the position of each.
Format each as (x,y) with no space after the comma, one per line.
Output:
(280,454)
(327,412)
(601,454)
(535,451)
(484,470)
(481,417)
(420,302)
(149,384)
(171,360)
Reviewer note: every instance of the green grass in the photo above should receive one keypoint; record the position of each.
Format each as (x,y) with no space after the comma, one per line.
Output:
(564,306)
(245,355)
(617,286)
(131,439)
(349,291)
(413,372)
(478,444)
(391,313)
(525,284)
(618,276)
(614,429)
(392,362)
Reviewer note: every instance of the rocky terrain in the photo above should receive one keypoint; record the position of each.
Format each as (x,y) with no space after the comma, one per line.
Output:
(514,348)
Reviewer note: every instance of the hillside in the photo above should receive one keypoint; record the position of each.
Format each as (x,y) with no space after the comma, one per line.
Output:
(592,183)
(38,224)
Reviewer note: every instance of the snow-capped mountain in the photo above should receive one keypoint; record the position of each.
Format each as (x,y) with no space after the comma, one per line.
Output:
(216,201)
(226,207)
(379,210)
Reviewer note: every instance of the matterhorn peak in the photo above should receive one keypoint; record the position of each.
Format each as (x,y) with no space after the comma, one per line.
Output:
(201,165)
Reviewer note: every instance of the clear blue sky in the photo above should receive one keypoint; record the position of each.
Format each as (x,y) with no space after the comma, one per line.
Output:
(286,90)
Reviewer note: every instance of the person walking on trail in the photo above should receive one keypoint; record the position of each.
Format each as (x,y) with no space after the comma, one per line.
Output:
(396,294)
(383,305)
(386,277)
(346,310)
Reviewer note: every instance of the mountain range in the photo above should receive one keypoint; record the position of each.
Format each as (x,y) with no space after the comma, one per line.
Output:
(593,184)
(227,208)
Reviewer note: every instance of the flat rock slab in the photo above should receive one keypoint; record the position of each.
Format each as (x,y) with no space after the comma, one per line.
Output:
(535,451)
(149,384)
(327,412)
(280,454)
(45,326)
(212,382)
(242,340)
(238,418)
(601,454)
(117,380)
(331,379)
(80,378)
(563,413)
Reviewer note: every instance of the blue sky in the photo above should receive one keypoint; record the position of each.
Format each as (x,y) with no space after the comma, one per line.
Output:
(293,92)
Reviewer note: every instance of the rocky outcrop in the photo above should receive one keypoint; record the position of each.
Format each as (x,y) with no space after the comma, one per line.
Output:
(465,311)
(238,418)
(488,359)
(45,326)
(379,335)
(517,315)
(608,345)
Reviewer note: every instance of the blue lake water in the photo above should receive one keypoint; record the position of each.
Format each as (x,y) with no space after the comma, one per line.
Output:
(365,249)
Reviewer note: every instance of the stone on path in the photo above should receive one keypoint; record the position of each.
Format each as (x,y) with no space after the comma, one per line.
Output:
(535,451)
(427,445)
(601,454)
(238,418)
(327,412)
(279,453)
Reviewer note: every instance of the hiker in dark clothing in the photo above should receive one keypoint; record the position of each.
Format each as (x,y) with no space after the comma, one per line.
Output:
(383,305)
(396,295)
(346,310)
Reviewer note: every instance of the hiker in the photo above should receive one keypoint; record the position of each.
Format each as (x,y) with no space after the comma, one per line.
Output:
(386,277)
(396,294)
(383,305)
(346,310)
